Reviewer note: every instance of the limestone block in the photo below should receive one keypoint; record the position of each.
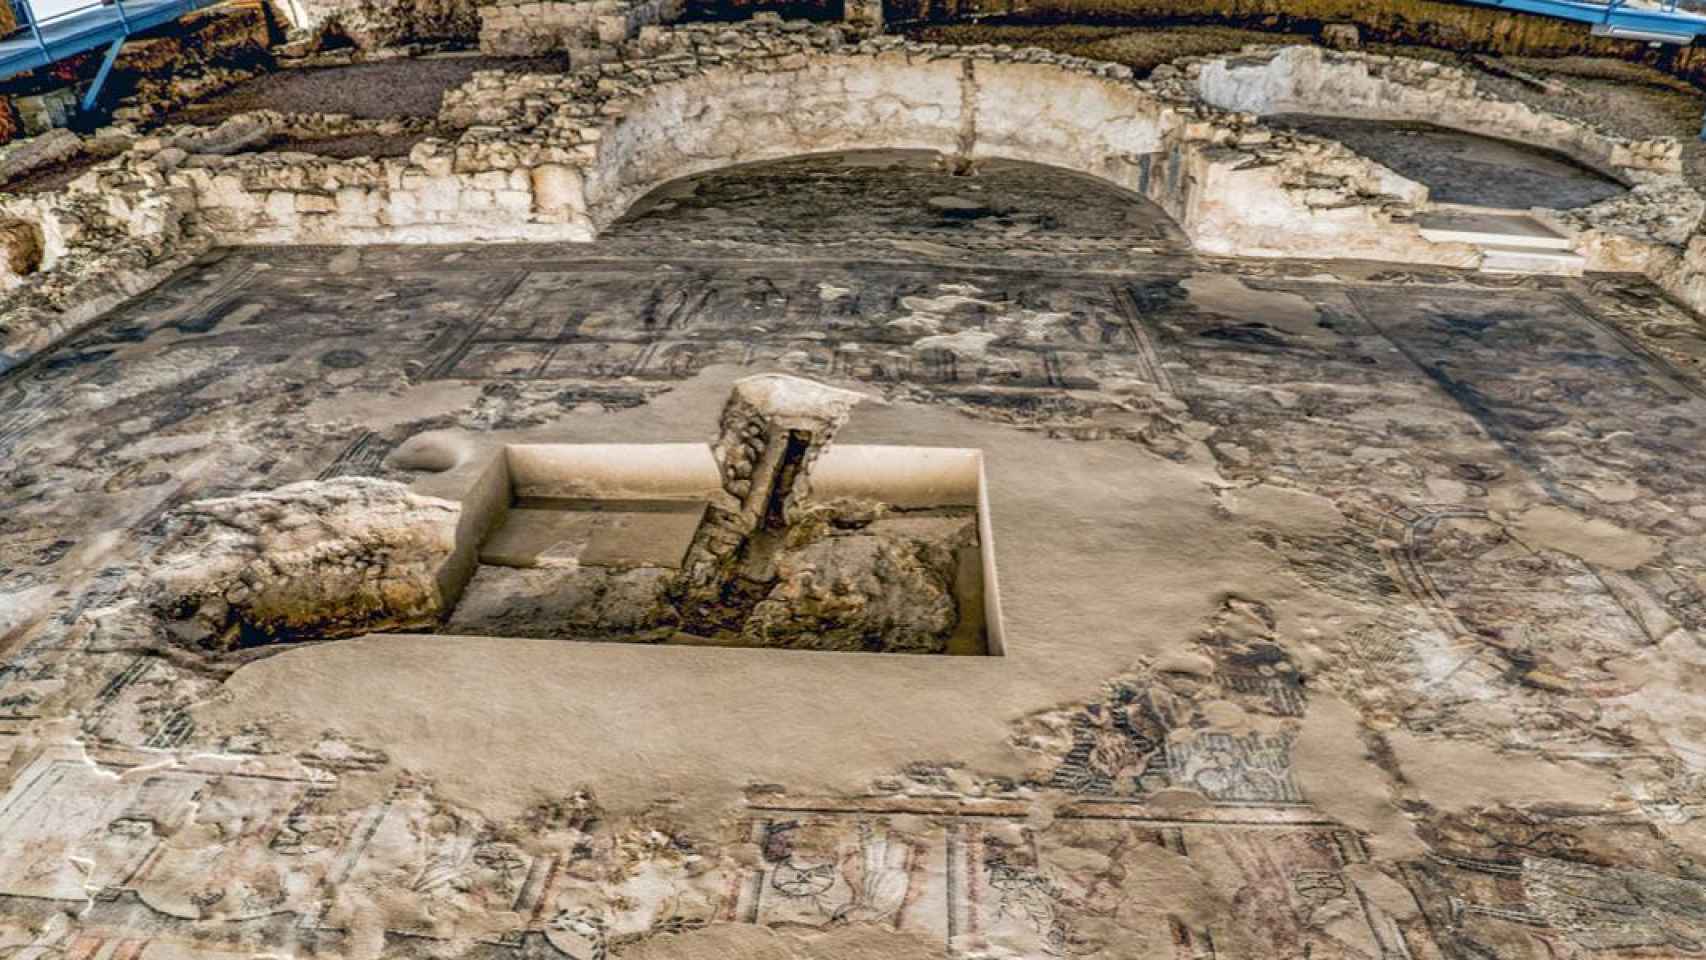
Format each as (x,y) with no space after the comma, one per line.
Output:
(41,113)
(441,193)
(353,201)
(558,188)
(402,207)
(612,29)
(430,158)
(517,201)
(281,206)
(348,222)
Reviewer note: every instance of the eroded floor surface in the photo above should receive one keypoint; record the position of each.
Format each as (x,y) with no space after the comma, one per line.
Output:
(1352,611)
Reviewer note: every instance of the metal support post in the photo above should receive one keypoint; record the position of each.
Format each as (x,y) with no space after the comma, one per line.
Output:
(94,94)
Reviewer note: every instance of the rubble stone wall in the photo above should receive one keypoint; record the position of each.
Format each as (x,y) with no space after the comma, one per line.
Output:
(373,24)
(585,29)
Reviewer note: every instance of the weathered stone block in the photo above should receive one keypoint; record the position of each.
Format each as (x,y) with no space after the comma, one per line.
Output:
(557,188)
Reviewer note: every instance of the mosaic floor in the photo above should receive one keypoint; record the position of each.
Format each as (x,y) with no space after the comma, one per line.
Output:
(1353,611)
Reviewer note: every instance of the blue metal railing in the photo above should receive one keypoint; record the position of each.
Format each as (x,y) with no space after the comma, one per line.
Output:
(41,41)
(1662,23)
(31,25)
(1619,20)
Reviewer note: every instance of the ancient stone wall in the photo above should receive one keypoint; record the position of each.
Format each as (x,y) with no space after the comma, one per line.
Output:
(1311,80)
(24,156)
(373,24)
(587,30)
(706,97)
(1643,231)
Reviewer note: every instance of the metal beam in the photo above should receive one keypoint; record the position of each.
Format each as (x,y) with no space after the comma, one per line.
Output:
(1614,17)
(36,45)
(35,28)
(94,94)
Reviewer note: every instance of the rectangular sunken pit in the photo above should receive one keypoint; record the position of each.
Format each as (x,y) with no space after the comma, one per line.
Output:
(859,548)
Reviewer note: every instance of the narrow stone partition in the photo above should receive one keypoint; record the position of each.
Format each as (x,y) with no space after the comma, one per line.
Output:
(770,538)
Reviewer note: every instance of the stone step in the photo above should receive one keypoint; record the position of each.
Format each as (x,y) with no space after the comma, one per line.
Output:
(1501,258)
(1490,229)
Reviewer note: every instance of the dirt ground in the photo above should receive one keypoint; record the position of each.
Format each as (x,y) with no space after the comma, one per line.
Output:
(390,88)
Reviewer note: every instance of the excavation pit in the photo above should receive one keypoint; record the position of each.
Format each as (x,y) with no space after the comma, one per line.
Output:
(891,553)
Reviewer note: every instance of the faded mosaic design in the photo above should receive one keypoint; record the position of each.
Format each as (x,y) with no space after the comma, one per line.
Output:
(236,848)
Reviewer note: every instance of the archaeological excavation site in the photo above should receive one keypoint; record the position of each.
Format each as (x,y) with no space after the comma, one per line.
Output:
(852,479)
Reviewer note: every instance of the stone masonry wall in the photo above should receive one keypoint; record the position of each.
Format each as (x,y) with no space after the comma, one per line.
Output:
(374,24)
(587,30)
(1312,80)
(703,97)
